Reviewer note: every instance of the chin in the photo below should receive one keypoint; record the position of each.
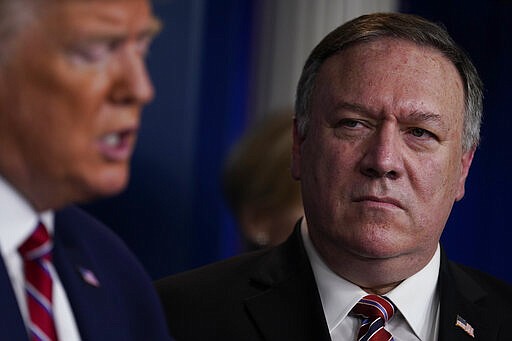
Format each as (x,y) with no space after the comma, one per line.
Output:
(378,252)
(377,246)
(105,184)
(112,188)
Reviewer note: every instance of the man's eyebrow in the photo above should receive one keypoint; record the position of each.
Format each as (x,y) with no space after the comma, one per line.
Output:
(154,27)
(106,35)
(151,30)
(415,116)
(425,116)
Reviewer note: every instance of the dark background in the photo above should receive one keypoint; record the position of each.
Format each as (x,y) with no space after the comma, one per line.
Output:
(173,216)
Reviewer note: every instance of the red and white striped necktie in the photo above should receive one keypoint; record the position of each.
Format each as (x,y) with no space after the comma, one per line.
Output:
(36,254)
(375,311)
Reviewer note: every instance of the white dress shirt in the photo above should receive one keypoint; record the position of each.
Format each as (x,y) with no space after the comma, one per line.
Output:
(17,221)
(416,298)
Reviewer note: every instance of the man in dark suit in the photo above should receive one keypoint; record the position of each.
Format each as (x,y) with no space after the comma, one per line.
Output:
(388,115)
(73,82)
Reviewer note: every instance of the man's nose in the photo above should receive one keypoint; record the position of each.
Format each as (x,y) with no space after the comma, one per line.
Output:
(383,153)
(133,85)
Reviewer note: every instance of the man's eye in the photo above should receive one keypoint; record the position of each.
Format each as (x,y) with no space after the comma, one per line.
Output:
(418,132)
(349,123)
(89,54)
(93,53)
(422,133)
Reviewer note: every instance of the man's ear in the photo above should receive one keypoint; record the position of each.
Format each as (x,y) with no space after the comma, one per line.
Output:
(466,160)
(296,151)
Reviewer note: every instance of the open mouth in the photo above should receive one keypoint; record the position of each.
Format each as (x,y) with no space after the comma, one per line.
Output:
(117,146)
(112,140)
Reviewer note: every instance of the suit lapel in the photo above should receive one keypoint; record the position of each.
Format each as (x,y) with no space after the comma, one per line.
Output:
(76,267)
(289,306)
(11,322)
(462,296)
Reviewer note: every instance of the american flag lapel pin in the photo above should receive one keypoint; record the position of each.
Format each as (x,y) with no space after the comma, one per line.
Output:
(89,277)
(460,322)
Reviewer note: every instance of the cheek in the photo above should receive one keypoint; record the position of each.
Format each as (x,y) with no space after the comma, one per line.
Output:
(76,117)
(74,91)
(67,120)
(435,188)
(64,130)
(327,173)
(81,101)
(435,178)
(451,179)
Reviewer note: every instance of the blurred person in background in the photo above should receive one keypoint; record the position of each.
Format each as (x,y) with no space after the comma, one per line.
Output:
(257,183)
(388,113)
(73,82)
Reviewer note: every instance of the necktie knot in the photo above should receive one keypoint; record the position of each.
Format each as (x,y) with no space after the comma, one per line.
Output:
(375,311)
(373,307)
(37,246)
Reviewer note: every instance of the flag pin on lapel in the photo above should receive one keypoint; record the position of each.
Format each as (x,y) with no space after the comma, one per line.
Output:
(460,322)
(89,277)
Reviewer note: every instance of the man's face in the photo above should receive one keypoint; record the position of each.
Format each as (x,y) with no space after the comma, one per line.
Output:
(382,162)
(71,92)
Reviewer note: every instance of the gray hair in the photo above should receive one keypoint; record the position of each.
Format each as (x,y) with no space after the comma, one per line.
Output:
(401,26)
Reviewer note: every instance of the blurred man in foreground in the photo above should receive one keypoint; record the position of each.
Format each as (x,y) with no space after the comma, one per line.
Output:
(73,82)
(388,115)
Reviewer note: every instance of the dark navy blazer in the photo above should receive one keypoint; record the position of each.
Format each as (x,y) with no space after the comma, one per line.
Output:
(271,295)
(123,307)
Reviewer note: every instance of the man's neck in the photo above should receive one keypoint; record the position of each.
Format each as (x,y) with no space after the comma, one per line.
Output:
(373,275)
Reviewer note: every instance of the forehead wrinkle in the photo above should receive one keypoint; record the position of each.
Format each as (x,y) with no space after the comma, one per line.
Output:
(355,107)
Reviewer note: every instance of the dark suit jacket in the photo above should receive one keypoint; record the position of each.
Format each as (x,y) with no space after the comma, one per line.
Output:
(124,306)
(272,295)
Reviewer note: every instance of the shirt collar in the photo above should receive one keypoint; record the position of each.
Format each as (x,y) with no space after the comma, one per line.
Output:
(417,297)
(339,295)
(17,218)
